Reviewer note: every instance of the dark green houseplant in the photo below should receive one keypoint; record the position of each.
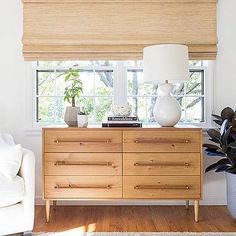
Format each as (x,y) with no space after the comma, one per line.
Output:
(223,144)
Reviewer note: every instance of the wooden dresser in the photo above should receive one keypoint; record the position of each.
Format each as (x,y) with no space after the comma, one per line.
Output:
(122,163)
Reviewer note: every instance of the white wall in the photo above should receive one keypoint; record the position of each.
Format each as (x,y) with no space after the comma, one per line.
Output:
(16,86)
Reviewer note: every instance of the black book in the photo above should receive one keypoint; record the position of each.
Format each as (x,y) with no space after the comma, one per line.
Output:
(122,124)
(122,118)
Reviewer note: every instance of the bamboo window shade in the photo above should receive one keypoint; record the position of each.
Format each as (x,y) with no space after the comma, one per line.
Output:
(116,29)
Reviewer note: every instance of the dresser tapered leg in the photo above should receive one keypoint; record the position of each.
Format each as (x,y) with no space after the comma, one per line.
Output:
(47,210)
(196,210)
(187,204)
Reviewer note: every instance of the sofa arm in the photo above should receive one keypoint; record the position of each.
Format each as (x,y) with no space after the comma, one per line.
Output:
(27,172)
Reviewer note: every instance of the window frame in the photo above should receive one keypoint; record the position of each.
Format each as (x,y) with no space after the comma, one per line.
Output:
(120,93)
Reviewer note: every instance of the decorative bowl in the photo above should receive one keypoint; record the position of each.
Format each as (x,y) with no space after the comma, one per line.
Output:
(122,110)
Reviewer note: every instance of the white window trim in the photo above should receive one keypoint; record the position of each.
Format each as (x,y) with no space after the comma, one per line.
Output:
(120,89)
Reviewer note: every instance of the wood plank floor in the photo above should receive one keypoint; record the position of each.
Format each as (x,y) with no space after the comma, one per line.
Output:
(134,219)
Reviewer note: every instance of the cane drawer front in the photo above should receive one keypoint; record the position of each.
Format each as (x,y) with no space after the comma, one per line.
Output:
(161,163)
(161,187)
(83,163)
(79,187)
(162,141)
(83,141)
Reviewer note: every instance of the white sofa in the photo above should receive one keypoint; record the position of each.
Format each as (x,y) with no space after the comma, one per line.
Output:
(19,218)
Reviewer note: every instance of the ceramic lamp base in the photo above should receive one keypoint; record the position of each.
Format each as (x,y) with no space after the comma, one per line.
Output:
(167,111)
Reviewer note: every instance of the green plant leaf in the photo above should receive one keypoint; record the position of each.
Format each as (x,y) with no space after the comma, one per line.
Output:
(234,121)
(211,167)
(67,77)
(213,133)
(214,151)
(217,117)
(224,127)
(231,171)
(222,168)
(218,122)
(227,113)
(233,145)
(215,140)
(211,146)
(226,136)
(218,164)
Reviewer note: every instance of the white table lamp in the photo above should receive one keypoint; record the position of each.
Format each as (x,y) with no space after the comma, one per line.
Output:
(166,63)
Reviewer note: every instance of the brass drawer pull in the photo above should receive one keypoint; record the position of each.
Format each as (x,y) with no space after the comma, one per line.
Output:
(64,163)
(153,163)
(161,140)
(74,186)
(58,141)
(162,187)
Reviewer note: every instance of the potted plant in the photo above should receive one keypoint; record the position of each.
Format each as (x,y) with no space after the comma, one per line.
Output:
(82,119)
(225,147)
(72,91)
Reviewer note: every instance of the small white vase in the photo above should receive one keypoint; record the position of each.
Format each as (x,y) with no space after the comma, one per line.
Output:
(167,111)
(82,121)
(71,116)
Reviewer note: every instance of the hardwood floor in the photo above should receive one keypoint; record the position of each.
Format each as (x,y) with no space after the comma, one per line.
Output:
(134,219)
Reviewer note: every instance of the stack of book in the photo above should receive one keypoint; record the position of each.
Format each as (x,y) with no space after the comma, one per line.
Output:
(122,121)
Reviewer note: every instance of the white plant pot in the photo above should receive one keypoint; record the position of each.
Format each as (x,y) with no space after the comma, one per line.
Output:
(231,193)
(71,116)
(82,121)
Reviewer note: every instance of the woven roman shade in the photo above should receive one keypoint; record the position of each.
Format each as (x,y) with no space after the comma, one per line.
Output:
(116,29)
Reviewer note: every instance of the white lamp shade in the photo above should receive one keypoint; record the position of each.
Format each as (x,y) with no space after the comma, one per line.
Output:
(166,62)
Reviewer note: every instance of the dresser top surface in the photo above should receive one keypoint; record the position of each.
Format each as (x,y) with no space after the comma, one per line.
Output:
(144,128)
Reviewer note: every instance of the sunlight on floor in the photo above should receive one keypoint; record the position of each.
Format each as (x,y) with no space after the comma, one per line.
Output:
(79,231)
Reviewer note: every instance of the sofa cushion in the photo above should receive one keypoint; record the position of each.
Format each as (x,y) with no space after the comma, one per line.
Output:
(12,191)
(10,160)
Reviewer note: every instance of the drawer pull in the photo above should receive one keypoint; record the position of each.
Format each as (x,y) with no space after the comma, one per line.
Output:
(152,163)
(64,163)
(74,186)
(58,141)
(161,140)
(162,187)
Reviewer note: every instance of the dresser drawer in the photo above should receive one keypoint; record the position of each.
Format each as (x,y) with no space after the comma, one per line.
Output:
(83,141)
(162,141)
(62,187)
(83,163)
(162,187)
(162,163)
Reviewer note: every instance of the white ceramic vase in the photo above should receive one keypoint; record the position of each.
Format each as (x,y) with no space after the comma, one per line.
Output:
(71,116)
(167,111)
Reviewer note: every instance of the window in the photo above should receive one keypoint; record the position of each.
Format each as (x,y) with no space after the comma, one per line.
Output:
(109,82)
